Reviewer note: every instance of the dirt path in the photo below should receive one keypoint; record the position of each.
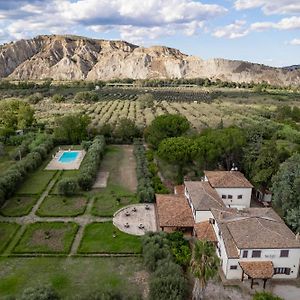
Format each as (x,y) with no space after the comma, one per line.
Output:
(127,173)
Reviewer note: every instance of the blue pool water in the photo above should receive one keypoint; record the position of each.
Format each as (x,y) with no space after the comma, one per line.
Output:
(68,157)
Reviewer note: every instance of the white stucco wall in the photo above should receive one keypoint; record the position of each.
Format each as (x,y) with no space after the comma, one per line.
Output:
(235,192)
(202,216)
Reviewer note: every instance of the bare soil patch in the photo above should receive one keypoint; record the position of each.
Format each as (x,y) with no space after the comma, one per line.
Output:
(52,238)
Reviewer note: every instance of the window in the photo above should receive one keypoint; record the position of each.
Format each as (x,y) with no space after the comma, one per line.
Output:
(285,271)
(230,197)
(256,253)
(233,267)
(224,197)
(240,197)
(284,253)
(245,253)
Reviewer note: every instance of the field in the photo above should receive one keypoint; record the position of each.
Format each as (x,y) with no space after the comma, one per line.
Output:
(202,107)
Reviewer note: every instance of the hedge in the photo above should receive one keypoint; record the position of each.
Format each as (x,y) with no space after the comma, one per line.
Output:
(14,176)
(145,191)
(90,165)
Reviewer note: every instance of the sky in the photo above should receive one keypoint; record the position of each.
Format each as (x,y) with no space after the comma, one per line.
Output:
(262,31)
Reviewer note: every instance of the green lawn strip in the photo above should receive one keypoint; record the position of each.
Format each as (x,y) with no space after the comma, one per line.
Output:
(36,182)
(99,238)
(110,199)
(63,174)
(70,277)
(61,206)
(7,232)
(5,160)
(18,206)
(47,237)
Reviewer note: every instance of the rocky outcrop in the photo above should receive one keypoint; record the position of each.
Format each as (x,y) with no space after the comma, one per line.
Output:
(76,58)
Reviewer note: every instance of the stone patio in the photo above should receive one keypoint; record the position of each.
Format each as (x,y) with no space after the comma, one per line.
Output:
(130,218)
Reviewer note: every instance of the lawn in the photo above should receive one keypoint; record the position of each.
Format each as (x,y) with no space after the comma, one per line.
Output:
(99,238)
(109,200)
(36,182)
(73,278)
(7,231)
(18,206)
(55,237)
(60,206)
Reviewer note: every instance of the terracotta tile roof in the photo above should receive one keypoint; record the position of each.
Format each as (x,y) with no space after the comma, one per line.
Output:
(205,232)
(227,179)
(179,190)
(253,228)
(258,269)
(203,196)
(174,211)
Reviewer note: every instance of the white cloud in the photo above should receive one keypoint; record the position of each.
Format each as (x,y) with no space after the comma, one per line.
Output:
(295,42)
(232,31)
(284,24)
(270,6)
(133,19)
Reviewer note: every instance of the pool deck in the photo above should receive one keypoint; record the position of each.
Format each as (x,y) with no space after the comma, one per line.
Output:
(55,164)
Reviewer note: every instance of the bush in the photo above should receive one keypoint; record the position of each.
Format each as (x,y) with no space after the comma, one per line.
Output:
(40,293)
(57,98)
(68,186)
(35,98)
(265,296)
(86,97)
(168,282)
(90,164)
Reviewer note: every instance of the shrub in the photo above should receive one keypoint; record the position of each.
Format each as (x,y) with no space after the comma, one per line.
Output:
(90,164)
(168,282)
(86,145)
(265,296)
(40,293)
(68,186)
(58,98)
(35,98)
(86,97)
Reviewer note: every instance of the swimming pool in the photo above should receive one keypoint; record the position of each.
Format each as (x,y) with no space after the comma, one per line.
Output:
(68,157)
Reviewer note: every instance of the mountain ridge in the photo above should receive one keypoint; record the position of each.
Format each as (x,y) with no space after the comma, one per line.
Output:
(68,57)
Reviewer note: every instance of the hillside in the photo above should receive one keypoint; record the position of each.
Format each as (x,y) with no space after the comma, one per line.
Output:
(76,58)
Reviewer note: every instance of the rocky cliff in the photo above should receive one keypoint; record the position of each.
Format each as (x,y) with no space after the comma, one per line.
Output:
(75,58)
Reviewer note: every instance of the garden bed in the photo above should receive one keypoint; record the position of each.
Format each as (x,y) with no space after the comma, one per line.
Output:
(7,231)
(18,206)
(54,237)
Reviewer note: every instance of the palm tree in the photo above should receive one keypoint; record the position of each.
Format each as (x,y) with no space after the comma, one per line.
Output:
(204,266)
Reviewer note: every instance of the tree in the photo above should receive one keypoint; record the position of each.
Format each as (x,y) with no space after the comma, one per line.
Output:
(16,114)
(71,128)
(40,293)
(166,126)
(286,191)
(204,266)
(265,296)
(266,165)
(68,186)
(2,151)
(127,131)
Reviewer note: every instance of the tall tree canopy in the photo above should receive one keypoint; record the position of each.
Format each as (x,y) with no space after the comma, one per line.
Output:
(166,126)
(72,128)
(16,114)
(286,191)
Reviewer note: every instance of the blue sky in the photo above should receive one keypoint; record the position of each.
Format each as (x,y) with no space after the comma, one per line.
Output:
(263,31)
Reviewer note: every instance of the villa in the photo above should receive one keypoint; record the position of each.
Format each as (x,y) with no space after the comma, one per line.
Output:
(252,243)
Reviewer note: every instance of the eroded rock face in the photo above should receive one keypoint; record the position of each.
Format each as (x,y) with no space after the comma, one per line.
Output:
(75,58)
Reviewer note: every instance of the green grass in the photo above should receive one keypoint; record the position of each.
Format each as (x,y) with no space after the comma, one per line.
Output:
(112,198)
(36,182)
(73,278)
(63,174)
(7,231)
(18,206)
(55,237)
(60,206)
(98,238)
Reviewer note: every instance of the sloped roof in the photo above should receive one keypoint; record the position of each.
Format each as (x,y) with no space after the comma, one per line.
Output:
(203,196)
(173,211)
(179,190)
(205,232)
(227,179)
(253,228)
(258,269)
